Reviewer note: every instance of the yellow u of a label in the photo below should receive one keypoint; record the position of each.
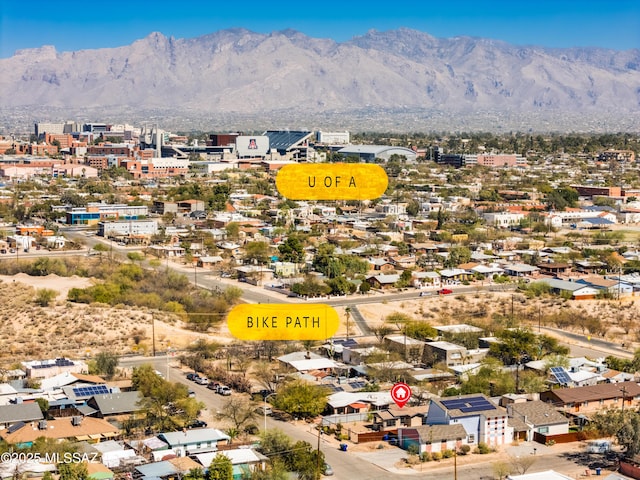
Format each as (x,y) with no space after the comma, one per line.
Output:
(332,181)
(273,321)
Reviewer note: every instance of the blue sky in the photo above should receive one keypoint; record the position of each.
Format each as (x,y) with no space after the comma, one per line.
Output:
(553,23)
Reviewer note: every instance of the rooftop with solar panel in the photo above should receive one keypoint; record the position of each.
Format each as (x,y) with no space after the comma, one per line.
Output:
(52,367)
(468,404)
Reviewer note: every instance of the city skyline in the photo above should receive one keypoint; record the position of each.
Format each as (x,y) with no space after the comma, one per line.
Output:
(556,24)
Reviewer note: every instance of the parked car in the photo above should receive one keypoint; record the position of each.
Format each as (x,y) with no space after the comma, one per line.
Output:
(192,376)
(197,424)
(426,294)
(445,291)
(264,411)
(327,471)
(213,386)
(599,446)
(224,390)
(202,381)
(192,394)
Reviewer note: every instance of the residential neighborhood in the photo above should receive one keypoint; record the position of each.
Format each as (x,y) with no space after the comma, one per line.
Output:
(474,279)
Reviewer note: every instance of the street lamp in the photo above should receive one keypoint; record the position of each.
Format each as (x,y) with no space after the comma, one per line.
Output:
(264,409)
(168,353)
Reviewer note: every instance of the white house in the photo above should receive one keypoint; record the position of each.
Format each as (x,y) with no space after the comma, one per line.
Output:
(483,420)
(503,219)
(539,417)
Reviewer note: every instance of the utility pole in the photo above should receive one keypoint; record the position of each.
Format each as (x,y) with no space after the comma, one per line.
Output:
(347,311)
(318,451)
(153,334)
(455,463)
(512,317)
(539,318)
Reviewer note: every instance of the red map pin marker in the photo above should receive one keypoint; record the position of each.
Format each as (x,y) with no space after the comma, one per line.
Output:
(400,393)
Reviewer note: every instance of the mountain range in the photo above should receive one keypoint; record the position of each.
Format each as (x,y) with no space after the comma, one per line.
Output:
(287,75)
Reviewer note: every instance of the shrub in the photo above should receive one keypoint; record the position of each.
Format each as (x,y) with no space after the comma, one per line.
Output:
(413,460)
(465,449)
(413,449)
(482,449)
(425,456)
(448,453)
(436,456)
(44,296)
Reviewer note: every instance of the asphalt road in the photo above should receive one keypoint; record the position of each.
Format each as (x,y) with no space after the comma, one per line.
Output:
(586,345)
(344,464)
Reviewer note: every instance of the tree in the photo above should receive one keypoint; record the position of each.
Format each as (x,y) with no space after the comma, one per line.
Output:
(305,460)
(274,443)
(221,468)
(203,349)
(267,375)
(521,344)
(299,457)
(73,471)
(301,399)
(501,469)
(135,257)
(405,279)
(43,403)
(413,208)
(256,252)
(310,287)
(490,380)
(233,230)
(340,286)
(106,363)
(194,474)
(420,331)
(458,255)
(276,470)
(239,411)
(382,331)
(364,287)
(625,426)
(167,404)
(292,250)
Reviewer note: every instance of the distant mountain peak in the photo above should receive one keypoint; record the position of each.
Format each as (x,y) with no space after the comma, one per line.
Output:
(240,72)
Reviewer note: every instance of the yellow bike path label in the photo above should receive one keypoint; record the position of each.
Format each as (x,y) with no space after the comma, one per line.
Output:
(332,181)
(284,321)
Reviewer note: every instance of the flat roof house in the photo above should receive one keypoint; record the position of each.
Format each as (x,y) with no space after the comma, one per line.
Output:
(193,441)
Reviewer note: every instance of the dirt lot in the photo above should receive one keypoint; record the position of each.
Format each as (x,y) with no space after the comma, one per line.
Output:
(76,330)
(64,328)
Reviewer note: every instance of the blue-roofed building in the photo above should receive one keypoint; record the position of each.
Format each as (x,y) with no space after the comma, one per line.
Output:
(96,212)
(483,420)
(79,394)
(594,222)
(170,468)
(292,144)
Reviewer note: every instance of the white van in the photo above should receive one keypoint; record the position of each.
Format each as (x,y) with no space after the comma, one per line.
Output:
(598,446)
